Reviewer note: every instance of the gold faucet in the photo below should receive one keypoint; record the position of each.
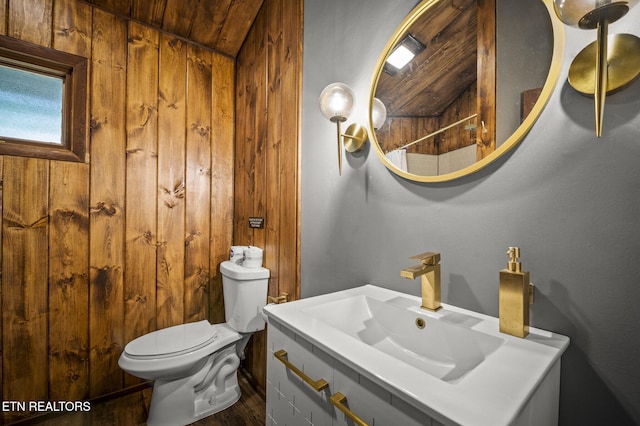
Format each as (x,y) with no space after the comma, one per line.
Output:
(429,270)
(515,296)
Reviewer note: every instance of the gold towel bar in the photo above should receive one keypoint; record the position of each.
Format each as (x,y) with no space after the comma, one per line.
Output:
(318,385)
(338,400)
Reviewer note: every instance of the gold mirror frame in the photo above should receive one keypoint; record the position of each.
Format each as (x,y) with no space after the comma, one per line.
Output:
(511,141)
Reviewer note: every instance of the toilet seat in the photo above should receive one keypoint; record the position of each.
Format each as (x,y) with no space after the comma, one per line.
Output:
(173,341)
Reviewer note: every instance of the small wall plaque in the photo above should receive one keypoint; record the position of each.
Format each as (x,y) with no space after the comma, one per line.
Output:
(256,222)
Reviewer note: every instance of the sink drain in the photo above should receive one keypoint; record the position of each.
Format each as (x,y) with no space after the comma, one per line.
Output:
(420,323)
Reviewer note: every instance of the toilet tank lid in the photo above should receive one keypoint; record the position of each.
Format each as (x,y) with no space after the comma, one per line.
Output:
(240,273)
(172,340)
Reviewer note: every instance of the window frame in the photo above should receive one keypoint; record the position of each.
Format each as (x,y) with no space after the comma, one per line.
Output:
(73,70)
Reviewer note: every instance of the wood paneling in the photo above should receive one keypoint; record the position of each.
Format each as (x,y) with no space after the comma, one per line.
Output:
(31,21)
(141,196)
(486,139)
(222,176)
(96,254)
(400,131)
(69,281)
(208,15)
(458,60)
(267,151)
(198,156)
(444,69)
(24,280)
(69,276)
(221,25)
(178,16)
(25,224)
(107,201)
(459,136)
(289,175)
(150,11)
(529,99)
(171,181)
(3,18)
(275,49)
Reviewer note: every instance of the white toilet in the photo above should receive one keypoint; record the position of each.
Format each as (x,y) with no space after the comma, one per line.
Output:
(194,366)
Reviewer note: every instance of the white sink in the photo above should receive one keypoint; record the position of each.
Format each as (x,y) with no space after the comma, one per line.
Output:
(439,345)
(459,368)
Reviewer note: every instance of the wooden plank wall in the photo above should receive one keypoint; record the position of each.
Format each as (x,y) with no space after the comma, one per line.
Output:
(268,88)
(95,254)
(459,136)
(399,131)
(486,139)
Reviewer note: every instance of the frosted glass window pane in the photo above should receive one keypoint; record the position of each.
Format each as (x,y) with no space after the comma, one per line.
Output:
(30,106)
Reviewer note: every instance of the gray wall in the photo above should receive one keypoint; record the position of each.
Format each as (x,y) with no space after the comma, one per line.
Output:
(570,201)
(519,23)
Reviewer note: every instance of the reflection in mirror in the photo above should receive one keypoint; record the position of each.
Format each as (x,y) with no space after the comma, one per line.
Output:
(475,70)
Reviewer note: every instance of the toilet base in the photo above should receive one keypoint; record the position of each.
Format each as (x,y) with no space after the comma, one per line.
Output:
(211,389)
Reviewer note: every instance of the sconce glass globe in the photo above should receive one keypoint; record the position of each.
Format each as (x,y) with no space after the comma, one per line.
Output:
(378,113)
(336,102)
(586,14)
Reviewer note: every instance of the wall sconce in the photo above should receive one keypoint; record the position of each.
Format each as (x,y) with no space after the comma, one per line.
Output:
(608,64)
(336,104)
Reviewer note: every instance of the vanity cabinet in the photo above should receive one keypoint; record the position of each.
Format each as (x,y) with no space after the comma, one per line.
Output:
(293,401)
(375,355)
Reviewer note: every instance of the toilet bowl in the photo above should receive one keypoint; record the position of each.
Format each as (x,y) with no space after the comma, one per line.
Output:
(194,366)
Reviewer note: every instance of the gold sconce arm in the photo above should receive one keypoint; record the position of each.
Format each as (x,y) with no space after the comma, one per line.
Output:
(602,74)
(339,148)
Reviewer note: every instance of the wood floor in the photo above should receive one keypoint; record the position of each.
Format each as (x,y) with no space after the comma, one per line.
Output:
(131,410)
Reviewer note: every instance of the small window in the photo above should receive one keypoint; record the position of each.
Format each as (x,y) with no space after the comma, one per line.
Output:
(43,96)
(31,105)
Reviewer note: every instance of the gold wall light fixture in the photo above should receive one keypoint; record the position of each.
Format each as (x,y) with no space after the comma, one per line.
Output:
(336,104)
(610,63)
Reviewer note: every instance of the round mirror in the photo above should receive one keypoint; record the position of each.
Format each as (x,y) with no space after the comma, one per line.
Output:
(462,82)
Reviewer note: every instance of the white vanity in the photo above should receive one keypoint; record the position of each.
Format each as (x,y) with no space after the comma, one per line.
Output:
(373,354)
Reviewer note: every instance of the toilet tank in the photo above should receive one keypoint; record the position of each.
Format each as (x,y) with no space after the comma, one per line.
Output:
(245,294)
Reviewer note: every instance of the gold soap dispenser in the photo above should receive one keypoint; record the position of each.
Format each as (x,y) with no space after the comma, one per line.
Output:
(515,296)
